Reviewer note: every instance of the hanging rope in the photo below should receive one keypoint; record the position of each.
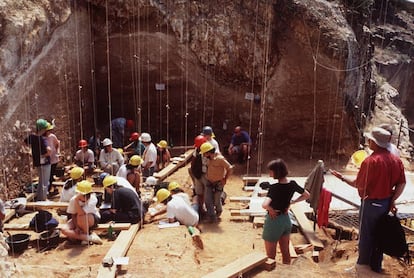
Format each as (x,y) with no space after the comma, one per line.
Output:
(109,68)
(167,105)
(252,88)
(78,73)
(314,97)
(186,73)
(92,64)
(261,131)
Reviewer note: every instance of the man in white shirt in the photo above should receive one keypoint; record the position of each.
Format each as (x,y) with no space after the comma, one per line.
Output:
(110,159)
(149,156)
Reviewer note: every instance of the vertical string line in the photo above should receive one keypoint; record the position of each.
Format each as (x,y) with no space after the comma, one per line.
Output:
(109,69)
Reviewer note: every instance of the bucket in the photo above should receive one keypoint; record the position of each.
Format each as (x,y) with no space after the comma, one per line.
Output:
(18,242)
(49,238)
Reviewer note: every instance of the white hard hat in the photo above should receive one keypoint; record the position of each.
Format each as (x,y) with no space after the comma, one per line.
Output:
(145,137)
(106,142)
(151,180)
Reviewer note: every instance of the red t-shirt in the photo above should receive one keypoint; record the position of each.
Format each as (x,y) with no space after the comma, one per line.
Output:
(379,173)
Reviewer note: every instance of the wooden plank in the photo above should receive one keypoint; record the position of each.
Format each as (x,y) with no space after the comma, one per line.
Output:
(47,205)
(239,266)
(119,249)
(172,167)
(247,212)
(345,200)
(292,251)
(101,227)
(258,221)
(306,227)
(10,213)
(58,183)
(250,178)
(241,199)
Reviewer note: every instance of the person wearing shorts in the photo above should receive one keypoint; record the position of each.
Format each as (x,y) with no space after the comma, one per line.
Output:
(277,226)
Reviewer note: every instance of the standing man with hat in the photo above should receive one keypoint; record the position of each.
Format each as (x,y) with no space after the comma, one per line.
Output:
(54,144)
(380,181)
(218,171)
(149,156)
(41,158)
(110,159)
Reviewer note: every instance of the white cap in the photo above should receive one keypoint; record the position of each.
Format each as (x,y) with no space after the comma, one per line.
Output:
(151,180)
(106,142)
(145,137)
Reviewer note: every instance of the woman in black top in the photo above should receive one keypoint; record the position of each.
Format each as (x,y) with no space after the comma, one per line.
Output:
(277,225)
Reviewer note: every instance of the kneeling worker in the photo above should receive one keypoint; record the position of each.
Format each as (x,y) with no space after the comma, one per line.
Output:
(177,209)
(85,215)
(126,207)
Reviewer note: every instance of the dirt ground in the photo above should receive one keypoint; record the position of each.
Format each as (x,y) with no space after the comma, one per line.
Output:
(170,253)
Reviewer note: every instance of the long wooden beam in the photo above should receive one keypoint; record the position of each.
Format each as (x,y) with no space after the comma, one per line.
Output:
(172,167)
(119,249)
(239,266)
(299,210)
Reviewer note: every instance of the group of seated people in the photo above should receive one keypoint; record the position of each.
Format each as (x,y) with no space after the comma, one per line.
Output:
(123,204)
(121,182)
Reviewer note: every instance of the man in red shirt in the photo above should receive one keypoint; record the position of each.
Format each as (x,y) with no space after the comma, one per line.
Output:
(380,181)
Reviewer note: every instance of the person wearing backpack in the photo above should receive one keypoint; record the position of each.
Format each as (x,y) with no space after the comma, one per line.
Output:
(197,171)
(380,181)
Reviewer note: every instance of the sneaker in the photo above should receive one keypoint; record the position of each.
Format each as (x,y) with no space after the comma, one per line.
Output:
(358,269)
(94,238)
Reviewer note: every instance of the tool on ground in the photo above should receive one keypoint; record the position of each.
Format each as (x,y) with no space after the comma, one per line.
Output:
(195,234)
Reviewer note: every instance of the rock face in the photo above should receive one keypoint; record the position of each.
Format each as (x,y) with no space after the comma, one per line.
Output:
(301,84)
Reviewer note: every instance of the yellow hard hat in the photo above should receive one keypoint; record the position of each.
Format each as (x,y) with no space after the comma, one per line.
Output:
(109,180)
(121,151)
(76,173)
(49,126)
(162,144)
(206,147)
(135,160)
(162,195)
(358,157)
(84,187)
(173,185)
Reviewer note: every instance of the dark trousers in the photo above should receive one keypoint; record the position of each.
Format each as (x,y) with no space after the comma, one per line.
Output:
(120,217)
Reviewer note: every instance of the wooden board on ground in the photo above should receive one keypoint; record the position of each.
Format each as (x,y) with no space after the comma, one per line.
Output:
(47,205)
(239,266)
(292,251)
(101,227)
(247,212)
(299,210)
(242,199)
(58,183)
(172,167)
(11,212)
(118,249)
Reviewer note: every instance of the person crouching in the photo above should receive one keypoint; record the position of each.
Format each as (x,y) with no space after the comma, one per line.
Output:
(125,207)
(85,215)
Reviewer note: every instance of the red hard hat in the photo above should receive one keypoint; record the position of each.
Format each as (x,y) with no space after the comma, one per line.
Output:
(134,136)
(129,124)
(83,143)
(199,140)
